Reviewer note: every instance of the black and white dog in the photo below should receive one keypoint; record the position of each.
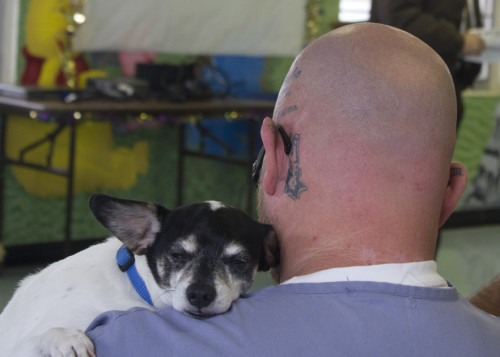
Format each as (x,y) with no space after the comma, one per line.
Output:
(197,258)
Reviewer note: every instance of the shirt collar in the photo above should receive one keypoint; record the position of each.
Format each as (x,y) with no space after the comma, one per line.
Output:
(416,274)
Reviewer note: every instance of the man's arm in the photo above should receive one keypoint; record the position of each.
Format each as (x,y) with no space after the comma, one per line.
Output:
(488,298)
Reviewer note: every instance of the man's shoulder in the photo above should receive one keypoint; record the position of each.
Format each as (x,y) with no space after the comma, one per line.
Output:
(335,316)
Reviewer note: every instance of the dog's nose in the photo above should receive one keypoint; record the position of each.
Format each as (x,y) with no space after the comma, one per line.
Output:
(200,295)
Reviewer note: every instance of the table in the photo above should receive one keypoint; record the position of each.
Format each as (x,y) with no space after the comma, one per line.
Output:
(71,114)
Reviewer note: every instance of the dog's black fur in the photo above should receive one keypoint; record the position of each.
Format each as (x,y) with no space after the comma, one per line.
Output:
(226,246)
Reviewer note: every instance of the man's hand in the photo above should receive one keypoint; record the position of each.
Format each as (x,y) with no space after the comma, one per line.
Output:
(473,44)
(488,298)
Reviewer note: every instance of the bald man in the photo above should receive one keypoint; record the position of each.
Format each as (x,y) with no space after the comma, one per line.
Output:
(356,180)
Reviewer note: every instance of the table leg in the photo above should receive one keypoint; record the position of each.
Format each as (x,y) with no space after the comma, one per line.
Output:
(180,166)
(70,189)
(3,129)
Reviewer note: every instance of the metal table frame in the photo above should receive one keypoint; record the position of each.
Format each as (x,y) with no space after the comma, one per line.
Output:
(69,115)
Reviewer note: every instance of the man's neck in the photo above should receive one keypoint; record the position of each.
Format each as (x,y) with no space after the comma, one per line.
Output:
(306,259)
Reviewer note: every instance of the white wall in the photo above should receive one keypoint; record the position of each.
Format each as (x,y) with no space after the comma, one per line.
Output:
(9,24)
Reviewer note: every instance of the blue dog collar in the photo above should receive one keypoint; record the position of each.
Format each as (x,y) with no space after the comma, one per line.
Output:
(126,263)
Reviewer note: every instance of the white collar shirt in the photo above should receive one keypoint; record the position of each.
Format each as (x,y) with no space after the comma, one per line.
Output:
(415,274)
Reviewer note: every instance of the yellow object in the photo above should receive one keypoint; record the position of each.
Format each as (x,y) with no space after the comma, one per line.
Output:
(46,34)
(98,164)
(50,27)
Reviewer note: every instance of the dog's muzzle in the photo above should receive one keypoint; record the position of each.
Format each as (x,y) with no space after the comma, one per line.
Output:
(200,295)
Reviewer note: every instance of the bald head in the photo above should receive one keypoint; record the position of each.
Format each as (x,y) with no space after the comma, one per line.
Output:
(370,75)
(383,95)
(371,111)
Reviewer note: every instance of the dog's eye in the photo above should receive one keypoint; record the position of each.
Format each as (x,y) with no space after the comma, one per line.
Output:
(236,260)
(180,257)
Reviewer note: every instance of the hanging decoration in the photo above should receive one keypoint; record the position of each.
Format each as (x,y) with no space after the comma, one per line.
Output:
(314,14)
(74,19)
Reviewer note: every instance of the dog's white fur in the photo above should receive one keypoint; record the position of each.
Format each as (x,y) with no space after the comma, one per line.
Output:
(69,294)
(50,310)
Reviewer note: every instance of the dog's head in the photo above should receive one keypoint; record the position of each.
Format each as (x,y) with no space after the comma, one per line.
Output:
(206,254)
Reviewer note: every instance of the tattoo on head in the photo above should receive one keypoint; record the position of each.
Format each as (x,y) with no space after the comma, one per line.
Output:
(296,73)
(455,171)
(287,110)
(294,185)
(293,75)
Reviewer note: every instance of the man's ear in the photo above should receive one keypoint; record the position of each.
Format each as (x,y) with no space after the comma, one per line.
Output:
(456,186)
(269,178)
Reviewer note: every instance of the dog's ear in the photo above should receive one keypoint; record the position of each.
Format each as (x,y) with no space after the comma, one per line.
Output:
(135,223)
(270,250)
